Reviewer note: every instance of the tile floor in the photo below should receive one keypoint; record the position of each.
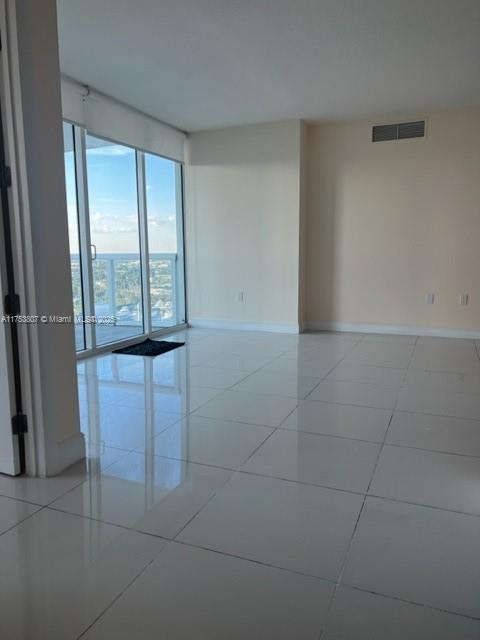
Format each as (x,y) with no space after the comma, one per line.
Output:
(248,485)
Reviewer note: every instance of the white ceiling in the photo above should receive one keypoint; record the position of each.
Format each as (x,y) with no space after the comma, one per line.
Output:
(201,64)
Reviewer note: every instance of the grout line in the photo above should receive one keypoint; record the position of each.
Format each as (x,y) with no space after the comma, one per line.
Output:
(350,544)
(349,351)
(347,553)
(254,561)
(361,493)
(40,508)
(257,448)
(118,596)
(423,505)
(108,523)
(440,451)
(202,508)
(412,602)
(349,404)
(23,500)
(437,415)
(241,423)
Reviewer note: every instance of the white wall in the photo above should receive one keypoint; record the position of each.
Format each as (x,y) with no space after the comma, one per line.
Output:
(389,222)
(242,226)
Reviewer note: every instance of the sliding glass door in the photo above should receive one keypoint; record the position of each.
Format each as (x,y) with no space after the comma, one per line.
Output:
(125,212)
(164,205)
(73,235)
(115,240)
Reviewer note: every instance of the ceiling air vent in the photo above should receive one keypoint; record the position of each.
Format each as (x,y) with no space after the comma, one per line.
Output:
(399,131)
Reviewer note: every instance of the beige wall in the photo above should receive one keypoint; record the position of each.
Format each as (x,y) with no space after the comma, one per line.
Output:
(391,221)
(242,225)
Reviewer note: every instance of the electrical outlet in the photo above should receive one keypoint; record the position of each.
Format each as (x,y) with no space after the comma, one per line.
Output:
(241,296)
(463,299)
(430,298)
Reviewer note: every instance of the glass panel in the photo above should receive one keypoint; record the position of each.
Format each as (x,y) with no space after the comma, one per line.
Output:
(114,231)
(73,234)
(164,220)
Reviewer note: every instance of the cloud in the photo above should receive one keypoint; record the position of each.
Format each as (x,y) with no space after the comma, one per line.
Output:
(102,223)
(158,221)
(110,150)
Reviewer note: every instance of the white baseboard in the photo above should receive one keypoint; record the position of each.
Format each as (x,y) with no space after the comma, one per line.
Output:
(243,326)
(394,329)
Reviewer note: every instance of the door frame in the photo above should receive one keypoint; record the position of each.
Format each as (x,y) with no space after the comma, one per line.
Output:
(31,452)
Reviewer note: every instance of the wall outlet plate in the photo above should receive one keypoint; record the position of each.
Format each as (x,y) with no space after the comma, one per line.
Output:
(429,298)
(463,299)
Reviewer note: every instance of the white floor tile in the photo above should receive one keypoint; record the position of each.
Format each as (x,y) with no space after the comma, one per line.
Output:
(253,408)
(183,401)
(364,395)
(436,433)
(323,350)
(367,616)
(60,572)
(212,442)
(322,460)
(454,358)
(347,421)
(323,338)
(443,380)
(13,511)
(125,427)
(256,349)
(311,365)
(382,354)
(201,376)
(236,362)
(426,477)
(284,524)
(389,337)
(282,384)
(423,555)
(358,372)
(193,593)
(444,343)
(145,492)
(446,403)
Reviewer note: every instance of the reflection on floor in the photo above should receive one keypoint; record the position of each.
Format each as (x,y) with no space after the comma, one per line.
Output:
(106,334)
(258,486)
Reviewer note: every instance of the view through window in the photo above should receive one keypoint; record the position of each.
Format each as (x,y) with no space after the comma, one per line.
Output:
(115,240)
(164,205)
(73,234)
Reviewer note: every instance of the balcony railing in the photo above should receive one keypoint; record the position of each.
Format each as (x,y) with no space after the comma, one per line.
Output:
(117,285)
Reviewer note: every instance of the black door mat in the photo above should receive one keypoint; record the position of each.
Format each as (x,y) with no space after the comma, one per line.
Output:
(149,348)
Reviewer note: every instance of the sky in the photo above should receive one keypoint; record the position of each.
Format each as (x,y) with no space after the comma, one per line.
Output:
(112,195)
